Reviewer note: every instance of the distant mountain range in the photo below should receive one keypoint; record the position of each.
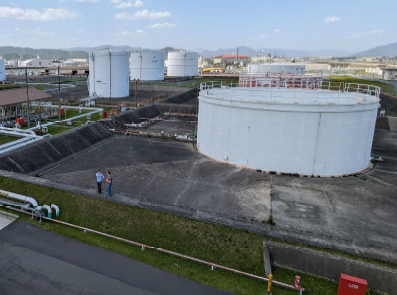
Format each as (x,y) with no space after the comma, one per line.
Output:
(10,52)
(385,50)
(243,50)
(289,53)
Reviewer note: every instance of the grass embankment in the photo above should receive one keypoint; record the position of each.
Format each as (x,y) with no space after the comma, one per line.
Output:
(229,247)
(63,126)
(385,88)
(7,139)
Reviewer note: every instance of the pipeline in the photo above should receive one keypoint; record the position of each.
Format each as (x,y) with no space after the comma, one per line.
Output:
(143,246)
(56,209)
(30,203)
(20,132)
(18,144)
(48,208)
(22,198)
(96,110)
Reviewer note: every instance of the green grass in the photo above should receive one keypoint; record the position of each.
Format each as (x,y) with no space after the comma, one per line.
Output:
(225,246)
(7,139)
(386,88)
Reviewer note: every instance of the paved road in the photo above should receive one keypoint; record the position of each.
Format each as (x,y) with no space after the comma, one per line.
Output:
(36,261)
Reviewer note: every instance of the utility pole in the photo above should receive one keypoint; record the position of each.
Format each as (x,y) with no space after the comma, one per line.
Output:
(136,88)
(59,95)
(27,96)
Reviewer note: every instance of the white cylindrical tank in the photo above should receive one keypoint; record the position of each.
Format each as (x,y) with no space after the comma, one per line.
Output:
(2,70)
(147,65)
(294,69)
(109,74)
(297,131)
(182,64)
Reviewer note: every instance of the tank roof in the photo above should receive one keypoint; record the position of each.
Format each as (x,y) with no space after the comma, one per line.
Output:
(318,93)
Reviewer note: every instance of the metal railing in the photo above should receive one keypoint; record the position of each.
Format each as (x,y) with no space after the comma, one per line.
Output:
(318,92)
(143,246)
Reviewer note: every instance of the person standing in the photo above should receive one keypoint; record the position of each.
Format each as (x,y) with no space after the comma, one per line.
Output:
(99,177)
(109,185)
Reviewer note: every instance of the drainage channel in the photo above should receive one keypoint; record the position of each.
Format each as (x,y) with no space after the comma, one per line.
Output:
(297,287)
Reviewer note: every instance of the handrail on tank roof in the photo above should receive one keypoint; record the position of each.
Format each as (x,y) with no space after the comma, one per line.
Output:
(146,50)
(364,89)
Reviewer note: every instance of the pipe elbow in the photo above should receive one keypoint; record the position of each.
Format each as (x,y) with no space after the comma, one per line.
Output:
(31,201)
(48,208)
(56,209)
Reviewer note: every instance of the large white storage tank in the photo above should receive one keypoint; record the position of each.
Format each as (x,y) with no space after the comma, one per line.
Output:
(276,68)
(297,130)
(182,64)
(2,70)
(147,65)
(109,74)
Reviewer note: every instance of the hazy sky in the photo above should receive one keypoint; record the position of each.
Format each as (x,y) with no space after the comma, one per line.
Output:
(291,24)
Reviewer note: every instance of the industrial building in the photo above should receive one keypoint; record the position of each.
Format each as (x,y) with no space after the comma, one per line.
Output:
(13,103)
(2,70)
(109,74)
(276,68)
(385,73)
(284,128)
(37,63)
(230,58)
(182,64)
(147,65)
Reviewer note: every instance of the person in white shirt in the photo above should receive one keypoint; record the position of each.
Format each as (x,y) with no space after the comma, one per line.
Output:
(99,178)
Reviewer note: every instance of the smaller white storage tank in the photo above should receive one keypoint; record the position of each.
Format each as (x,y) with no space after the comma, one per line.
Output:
(109,74)
(274,68)
(2,70)
(182,64)
(147,65)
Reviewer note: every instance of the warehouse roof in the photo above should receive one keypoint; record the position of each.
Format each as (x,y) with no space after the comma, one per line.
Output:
(18,95)
(231,56)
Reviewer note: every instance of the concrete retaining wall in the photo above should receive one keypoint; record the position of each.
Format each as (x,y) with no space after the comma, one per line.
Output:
(171,104)
(149,111)
(389,103)
(161,88)
(331,266)
(176,108)
(181,98)
(48,151)
(382,123)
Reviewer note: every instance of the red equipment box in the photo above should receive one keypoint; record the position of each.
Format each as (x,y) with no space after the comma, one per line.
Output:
(352,286)
(62,112)
(104,115)
(19,121)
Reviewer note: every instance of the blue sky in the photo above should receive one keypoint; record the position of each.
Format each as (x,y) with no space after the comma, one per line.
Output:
(346,25)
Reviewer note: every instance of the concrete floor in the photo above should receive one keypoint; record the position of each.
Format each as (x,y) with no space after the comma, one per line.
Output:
(36,261)
(171,125)
(170,173)
(5,220)
(353,214)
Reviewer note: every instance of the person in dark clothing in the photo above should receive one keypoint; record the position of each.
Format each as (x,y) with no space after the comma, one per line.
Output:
(109,182)
(99,178)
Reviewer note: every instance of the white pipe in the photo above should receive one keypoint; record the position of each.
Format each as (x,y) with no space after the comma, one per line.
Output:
(49,210)
(97,110)
(18,141)
(21,144)
(22,198)
(56,209)
(17,134)
(21,131)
